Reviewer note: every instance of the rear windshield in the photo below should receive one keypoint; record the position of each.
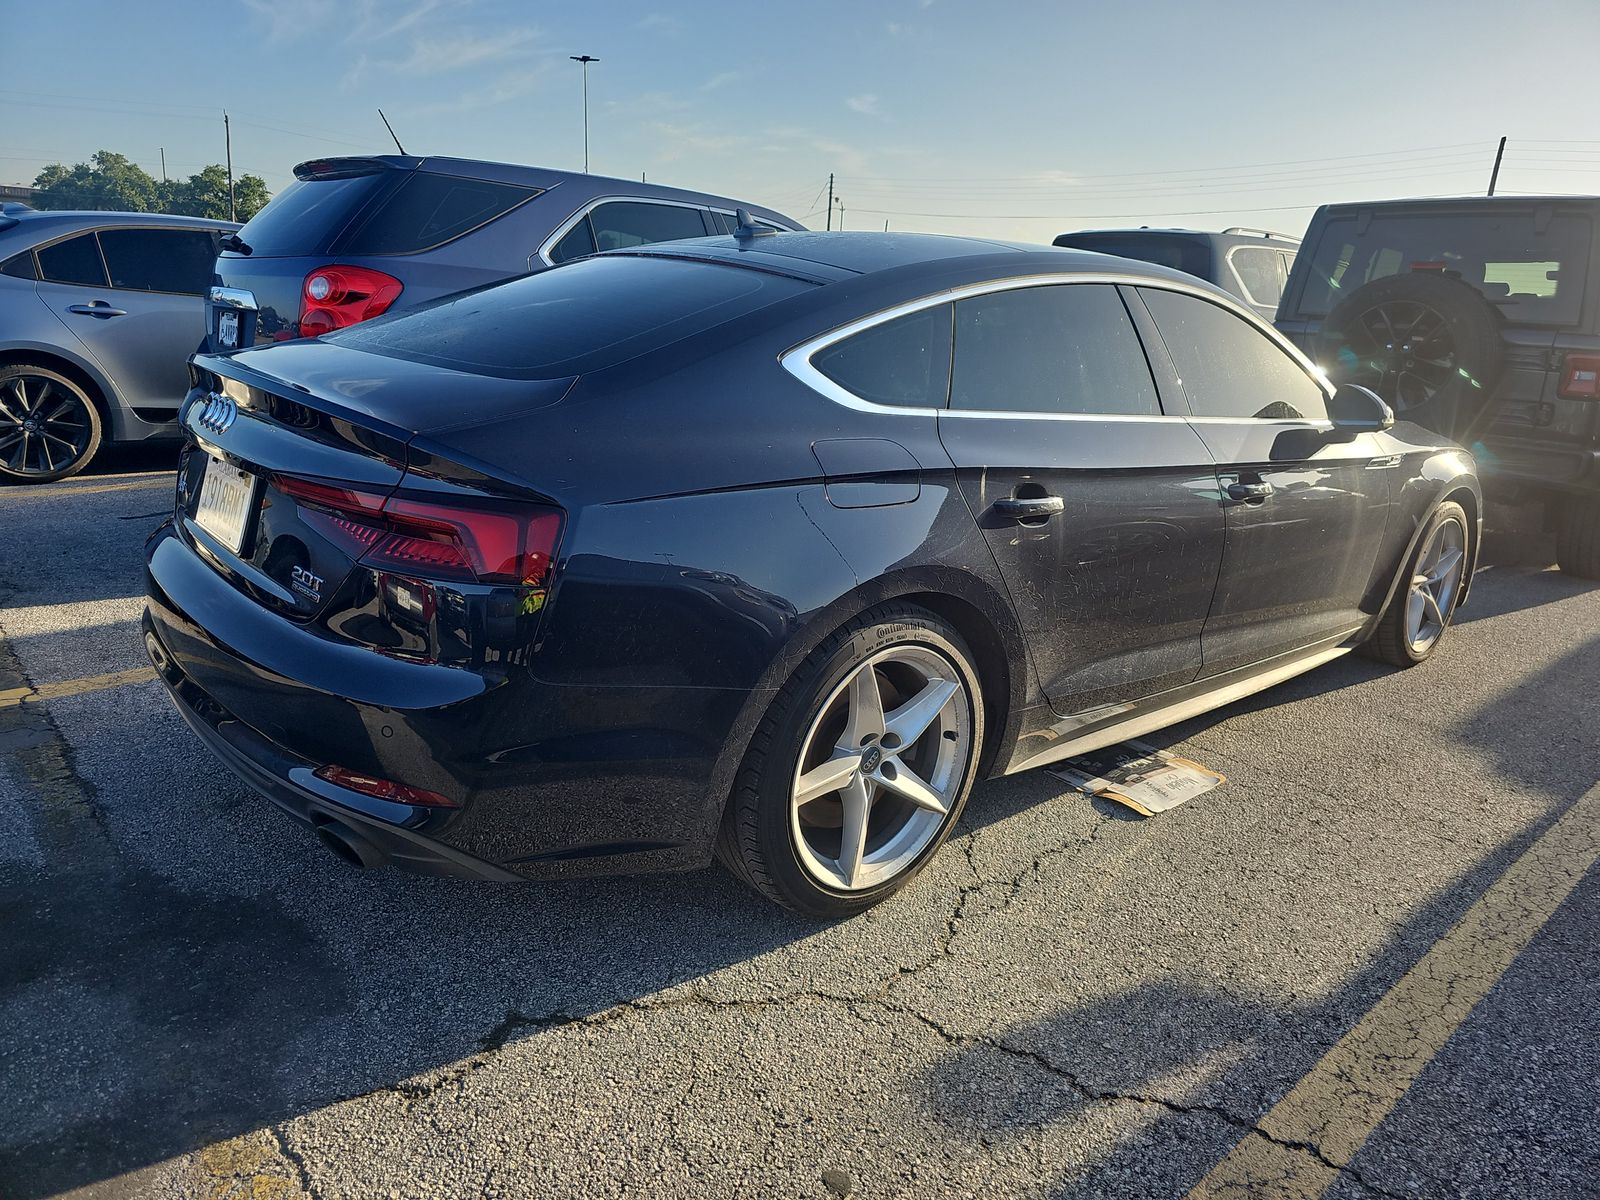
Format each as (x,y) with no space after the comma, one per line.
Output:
(1191,255)
(305,217)
(583,316)
(1532,277)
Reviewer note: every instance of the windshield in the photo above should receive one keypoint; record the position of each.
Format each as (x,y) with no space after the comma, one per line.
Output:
(583,316)
(1533,276)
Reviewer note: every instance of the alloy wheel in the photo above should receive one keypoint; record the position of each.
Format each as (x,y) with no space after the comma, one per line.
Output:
(1402,350)
(880,767)
(44,428)
(1434,584)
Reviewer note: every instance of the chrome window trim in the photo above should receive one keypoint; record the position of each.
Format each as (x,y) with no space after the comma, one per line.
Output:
(566,227)
(797,360)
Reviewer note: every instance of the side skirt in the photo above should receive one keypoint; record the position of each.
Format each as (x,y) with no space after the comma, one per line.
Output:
(1064,739)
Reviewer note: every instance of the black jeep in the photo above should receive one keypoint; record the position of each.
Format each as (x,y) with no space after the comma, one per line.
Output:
(1479,318)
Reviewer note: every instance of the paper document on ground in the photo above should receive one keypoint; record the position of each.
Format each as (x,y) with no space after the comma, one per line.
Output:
(1145,779)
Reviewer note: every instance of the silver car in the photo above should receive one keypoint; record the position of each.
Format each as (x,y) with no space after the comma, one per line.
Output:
(99,313)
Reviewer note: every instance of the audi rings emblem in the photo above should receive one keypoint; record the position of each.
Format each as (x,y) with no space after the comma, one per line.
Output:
(216,413)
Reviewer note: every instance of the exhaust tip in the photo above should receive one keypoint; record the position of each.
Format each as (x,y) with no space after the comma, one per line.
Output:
(349,846)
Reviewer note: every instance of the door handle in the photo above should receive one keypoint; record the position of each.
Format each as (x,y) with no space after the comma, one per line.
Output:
(98,309)
(1029,508)
(1249,493)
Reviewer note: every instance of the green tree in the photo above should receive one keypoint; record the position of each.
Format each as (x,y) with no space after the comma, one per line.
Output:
(108,181)
(206,194)
(111,182)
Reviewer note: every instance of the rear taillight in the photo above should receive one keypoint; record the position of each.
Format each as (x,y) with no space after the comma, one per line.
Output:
(334,297)
(1580,377)
(382,789)
(477,541)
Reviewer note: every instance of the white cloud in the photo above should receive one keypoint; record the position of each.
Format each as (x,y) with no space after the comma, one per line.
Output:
(434,55)
(721,79)
(660,23)
(866,103)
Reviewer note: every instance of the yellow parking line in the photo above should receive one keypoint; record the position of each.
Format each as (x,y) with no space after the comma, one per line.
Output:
(1354,1086)
(49,493)
(74,687)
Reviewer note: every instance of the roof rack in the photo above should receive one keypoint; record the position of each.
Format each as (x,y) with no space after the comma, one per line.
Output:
(1252,229)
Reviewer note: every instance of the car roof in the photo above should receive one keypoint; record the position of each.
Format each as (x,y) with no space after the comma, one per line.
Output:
(824,257)
(1235,234)
(33,225)
(583,185)
(1457,202)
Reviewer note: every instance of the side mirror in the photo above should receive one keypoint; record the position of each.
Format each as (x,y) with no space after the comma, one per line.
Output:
(1355,410)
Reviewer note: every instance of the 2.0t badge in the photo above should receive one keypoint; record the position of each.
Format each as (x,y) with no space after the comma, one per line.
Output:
(307,584)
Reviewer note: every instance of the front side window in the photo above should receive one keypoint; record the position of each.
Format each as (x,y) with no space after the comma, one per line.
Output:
(1066,348)
(160,260)
(1228,367)
(624,223)
(76,260)
(904,362)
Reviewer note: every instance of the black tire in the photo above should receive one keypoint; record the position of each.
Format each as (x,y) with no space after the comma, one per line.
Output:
(1446,379)
(757,840)
(49,427)
(1391,642)
(1578,537)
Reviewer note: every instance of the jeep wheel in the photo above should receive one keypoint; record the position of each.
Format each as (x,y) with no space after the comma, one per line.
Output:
(1428,344)
(1578,537)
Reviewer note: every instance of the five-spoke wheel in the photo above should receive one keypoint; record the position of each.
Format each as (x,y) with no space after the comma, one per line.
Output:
(1415,621)
(861,765)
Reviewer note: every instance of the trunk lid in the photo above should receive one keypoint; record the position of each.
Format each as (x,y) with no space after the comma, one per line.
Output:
(290,552)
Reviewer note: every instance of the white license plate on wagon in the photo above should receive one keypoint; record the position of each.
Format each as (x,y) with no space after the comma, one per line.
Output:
(227,496)
(228,329)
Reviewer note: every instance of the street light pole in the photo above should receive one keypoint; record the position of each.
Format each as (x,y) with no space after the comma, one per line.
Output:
(585,59)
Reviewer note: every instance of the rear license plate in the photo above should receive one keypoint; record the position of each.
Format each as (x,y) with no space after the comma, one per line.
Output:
(226,497)
(228,329)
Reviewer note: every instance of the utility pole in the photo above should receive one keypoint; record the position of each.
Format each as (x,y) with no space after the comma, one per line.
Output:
(585,59)
(830,200)
(163,164)
(841,214)
(1494,176)
(227,137)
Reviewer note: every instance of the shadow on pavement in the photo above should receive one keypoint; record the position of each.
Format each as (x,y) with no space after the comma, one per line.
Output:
(1210,1056)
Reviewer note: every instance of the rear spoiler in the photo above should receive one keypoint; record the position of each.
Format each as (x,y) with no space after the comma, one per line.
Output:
(350,167)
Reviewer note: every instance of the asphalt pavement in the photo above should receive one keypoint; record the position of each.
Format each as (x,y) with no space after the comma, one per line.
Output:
(1364,966)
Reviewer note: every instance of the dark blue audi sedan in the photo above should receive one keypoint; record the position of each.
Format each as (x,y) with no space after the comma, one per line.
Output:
(766,547)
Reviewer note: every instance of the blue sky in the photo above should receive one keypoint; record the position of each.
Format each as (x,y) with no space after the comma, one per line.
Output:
(1003,118)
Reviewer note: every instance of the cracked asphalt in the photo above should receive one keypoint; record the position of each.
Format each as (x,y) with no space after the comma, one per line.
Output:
(197,1000)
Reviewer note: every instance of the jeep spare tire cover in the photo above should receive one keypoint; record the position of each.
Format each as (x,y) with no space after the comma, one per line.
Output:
(1427,343)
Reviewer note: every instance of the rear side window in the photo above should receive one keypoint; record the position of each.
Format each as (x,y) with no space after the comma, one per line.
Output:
(19,266)
(587,316)
(160,260)
(1261,273)
(1532,271)
(76,260)
(1228,367)
(1067,348)
(307,215)
(625,223)
(427,210)
(904,362)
